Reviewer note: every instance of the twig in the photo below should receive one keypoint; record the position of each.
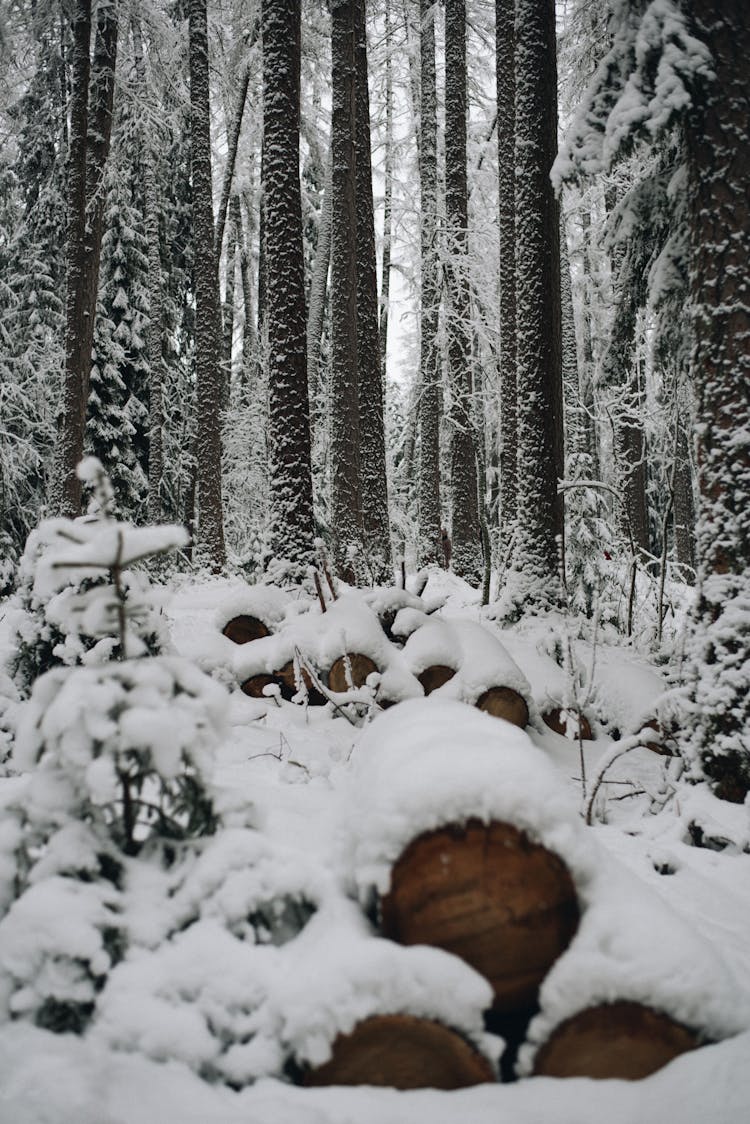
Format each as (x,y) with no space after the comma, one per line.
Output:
(628,744)
(319,591)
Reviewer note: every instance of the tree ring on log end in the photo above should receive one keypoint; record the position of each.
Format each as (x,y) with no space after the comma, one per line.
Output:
(487,893)
(504,702)
(556,721)
(435,676)
(403,1052)
(615,1040)
(361,667)
(243,629)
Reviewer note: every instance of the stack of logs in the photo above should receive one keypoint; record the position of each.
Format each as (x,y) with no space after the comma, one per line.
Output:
(504,904)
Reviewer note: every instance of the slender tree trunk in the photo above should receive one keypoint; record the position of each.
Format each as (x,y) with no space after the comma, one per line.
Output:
(155,300)
(684,504)
(430,544)
(466,533)
(208,372)
(346,499)
(91,129)
(292,534)
(505,37)
(385,284)
(718,159)
(317,307)
(227,320)
(374,484)
(540,422)
(249,335)
(233,139)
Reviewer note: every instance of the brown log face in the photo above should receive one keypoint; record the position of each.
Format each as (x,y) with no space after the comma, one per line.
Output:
(505,905)
(659,744)
(623,1040)
(433,677)
(555,720)
(243,629)
(255,684)
(504,702)
(361,666)
(403,1052)
(285,678)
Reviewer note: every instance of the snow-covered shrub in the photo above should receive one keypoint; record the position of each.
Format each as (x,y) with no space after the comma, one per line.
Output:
(80,602)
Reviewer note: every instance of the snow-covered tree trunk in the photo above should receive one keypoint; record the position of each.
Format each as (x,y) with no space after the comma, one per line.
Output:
(534,579)
(374,484)
(292,535)
(317,305)
(233,138)
(430,546)
(208,372)
(385,284)
(684,504)
(505,41)
(467,552)
(346,497)
(155,299)
(718,156)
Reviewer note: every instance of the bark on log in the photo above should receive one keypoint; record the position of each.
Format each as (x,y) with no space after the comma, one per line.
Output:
(361,667)
(556,721)
(504,702)
(616,1040)
(243,629)
(403,1052)
(488,894)
(435,676)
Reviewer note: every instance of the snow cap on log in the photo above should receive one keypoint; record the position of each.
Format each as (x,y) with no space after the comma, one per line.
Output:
(430,763)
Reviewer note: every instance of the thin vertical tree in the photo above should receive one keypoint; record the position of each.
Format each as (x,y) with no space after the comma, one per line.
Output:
(467,555)
(534,580)
(346,496)
(430,547)
(90,133)
(292,535)
(371,389)
(505,44)
(208,368)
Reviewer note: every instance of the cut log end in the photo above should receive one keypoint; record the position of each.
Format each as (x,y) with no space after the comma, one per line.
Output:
(557,719)
(488,894)
(435,676)
(243,629)
(361,667)
(285,681)
(615,1040)
(504,702)
(403,1052)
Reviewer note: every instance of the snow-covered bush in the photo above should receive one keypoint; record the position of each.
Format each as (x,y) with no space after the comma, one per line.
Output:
(79,600)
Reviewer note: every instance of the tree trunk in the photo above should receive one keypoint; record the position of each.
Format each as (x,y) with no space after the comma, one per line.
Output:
(467,554)
(684,505)
(317,306)
(505,36)
(292,534)
(374,485)
(208,372)
(535,576)
(155,301)
(385,283)
(718,156)
(346,499)
(233,139)
(227,320)
(430,545)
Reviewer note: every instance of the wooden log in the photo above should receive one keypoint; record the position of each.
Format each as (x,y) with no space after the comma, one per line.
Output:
(624,1040)
(361,667)
(435,676)
(243,629)
(659,743)
(403,1052)
(504,702)
(284,680)
(488,894)
(555,720)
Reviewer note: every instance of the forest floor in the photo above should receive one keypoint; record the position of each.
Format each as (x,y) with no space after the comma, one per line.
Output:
(666,924)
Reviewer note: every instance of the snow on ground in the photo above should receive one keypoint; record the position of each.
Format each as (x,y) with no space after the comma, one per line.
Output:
(317,806)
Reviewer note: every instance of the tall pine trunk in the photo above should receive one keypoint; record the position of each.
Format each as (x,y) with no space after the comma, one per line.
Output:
(718,156)
(346,498)
(292,534)
(535,572)
(505,42)
(467,553)
(208,367)
(371,389)
(430,546)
